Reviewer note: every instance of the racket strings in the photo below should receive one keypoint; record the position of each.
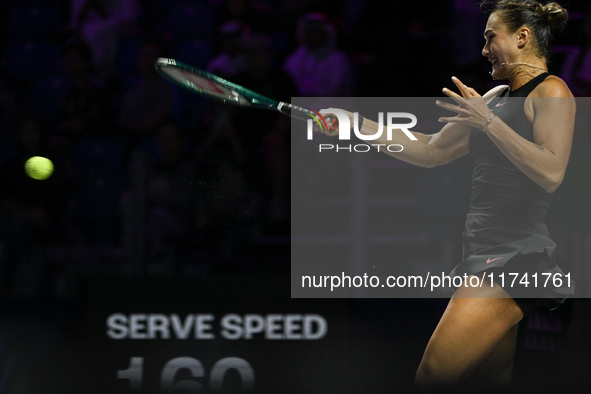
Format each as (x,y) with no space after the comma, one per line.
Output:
(204,85)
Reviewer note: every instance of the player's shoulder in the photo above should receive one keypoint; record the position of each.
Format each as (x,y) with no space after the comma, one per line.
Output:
(552,86)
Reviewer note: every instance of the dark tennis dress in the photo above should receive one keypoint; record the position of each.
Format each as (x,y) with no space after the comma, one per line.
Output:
(505,231)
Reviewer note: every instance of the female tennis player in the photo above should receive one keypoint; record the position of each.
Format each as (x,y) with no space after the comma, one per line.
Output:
(520,137)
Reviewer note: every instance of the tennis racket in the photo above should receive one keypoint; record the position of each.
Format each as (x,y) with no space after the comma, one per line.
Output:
(216,88)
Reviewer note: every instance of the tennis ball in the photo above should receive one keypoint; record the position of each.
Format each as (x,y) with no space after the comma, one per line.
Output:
(38,167)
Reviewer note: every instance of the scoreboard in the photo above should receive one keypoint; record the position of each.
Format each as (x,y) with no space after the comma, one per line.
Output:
(218,334)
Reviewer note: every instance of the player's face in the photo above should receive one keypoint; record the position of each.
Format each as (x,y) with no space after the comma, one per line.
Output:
(500,47)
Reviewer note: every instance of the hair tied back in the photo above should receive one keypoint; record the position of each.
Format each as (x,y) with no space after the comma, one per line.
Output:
(556,16)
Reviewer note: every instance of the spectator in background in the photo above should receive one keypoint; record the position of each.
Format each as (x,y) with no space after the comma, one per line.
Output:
(227,198)
(318,67)
(576,71)
(99,24)
(250,13)
(149,103)
(83,108)
(231,59)
(265,134)
(172,194)
(221,155)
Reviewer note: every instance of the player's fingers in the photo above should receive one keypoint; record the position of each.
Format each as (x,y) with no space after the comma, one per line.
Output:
(456,97)
(473,93)
(326,125)
(318,126)
(333,124)
(463,88)
(451,107)
(455,119)
(331,127)
(468,92)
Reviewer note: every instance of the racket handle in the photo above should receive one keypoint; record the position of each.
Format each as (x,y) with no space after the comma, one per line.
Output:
(304,114)
(294,111)
(334,123)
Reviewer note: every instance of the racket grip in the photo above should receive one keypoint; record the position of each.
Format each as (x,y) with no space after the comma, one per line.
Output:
(333,124)
(294,111)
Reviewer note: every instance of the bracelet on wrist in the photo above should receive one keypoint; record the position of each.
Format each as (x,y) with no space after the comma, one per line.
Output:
(488,123)
(486,118)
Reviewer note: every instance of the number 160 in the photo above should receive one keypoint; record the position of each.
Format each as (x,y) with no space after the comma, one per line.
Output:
(136,370)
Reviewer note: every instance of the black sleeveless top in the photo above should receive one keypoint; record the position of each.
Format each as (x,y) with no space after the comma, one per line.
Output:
(498,186)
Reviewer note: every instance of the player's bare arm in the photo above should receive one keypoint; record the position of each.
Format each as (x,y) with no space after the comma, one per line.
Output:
(429,150)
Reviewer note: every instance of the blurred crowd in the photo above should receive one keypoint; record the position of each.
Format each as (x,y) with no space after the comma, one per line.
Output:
(78,85)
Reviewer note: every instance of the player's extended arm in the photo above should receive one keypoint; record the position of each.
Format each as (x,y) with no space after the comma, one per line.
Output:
(429,150)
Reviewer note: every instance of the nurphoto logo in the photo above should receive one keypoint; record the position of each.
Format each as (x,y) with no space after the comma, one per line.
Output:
(344,130)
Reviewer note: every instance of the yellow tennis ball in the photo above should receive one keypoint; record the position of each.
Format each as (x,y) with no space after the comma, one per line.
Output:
(38,167)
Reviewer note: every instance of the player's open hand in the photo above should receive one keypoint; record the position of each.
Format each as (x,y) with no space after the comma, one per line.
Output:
(471,108)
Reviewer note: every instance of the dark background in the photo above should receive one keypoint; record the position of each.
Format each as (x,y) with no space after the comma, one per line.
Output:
(162,202)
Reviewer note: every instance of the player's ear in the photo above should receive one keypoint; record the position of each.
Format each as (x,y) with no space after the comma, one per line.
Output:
(523,36)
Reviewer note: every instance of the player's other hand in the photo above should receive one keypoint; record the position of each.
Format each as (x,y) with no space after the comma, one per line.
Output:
(471,108)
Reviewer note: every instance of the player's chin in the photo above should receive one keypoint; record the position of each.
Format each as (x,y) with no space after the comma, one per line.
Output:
(495,71)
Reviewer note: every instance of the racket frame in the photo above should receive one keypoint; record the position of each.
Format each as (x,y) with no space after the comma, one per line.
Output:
(239,95)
